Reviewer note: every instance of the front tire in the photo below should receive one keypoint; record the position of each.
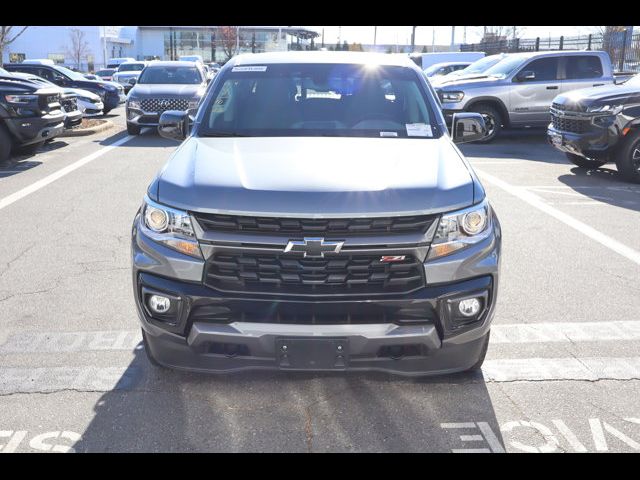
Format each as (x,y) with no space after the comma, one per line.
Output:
(582,162)
(493,119)
(628,157)
(133,129)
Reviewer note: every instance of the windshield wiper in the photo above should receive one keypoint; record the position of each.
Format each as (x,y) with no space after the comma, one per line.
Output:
(224,134)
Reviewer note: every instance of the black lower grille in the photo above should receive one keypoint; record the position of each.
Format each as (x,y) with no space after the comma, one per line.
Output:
(324,227)
(572,125)
(162,104)
(289,273)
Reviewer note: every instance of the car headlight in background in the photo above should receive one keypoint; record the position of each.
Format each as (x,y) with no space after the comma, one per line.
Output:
(460,229)
(169,226)
(134,103)
(21,99)
(611,109)
(451,97)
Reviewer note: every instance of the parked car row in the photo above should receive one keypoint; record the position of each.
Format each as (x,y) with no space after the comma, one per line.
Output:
(111,94)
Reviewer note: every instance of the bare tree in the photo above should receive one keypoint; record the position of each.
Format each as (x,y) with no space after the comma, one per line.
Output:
(6,38)
(229,40)
(78,49)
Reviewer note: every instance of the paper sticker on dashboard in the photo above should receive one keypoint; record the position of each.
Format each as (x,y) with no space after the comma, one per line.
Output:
(419,130)
(250,68)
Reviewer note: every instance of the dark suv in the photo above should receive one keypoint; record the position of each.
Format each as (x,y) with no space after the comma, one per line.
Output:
(112,95)
(164,86)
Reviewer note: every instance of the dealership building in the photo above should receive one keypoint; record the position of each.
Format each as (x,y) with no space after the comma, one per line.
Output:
(96,44)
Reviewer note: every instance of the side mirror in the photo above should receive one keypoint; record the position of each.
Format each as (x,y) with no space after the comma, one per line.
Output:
(132,81)
(468,127)
(527,75)
(174,124)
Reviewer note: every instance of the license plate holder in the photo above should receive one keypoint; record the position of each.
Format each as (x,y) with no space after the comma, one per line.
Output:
(312,353)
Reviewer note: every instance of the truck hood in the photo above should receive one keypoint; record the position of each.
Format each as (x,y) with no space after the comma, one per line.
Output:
(469,82)
(446,80)
(141,90)
(316,176)
(588,97)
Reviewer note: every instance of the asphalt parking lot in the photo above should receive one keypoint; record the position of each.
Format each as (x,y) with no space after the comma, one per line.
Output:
(562,373)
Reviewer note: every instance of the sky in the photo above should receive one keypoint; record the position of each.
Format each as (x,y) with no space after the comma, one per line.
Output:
(402,35)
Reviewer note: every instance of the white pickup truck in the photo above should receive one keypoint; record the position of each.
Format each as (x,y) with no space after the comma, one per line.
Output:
(518,90)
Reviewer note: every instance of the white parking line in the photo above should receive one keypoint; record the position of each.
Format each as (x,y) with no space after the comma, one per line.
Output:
(535,201)
(569,332)
(43,182)
(541,369)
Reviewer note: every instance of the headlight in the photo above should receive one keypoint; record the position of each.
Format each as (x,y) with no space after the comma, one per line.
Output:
(612,109)
(134,103)
(460,229)
(452,97)
(169,226)
(20,99)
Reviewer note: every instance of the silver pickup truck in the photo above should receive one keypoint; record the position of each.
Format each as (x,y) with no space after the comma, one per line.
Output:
(518,90)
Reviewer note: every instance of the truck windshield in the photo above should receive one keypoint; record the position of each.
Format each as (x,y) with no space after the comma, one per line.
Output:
(319,100)
(170,75)
(70,73)
(480,66)
(505,66)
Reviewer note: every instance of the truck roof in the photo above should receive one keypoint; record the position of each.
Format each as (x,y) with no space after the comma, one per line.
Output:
(556,53)
(269,58)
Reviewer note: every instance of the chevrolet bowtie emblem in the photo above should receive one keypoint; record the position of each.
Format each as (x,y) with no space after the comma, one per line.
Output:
(313,247)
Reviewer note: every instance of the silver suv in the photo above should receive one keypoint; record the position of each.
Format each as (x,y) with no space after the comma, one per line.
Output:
(317,217)
(518,90)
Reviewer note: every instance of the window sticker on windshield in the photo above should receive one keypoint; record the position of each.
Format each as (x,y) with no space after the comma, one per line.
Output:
(388,134)
(254,68)
(419,130)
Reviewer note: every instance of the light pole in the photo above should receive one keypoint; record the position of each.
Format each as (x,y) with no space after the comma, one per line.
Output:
(453,37)
(375,34)
(413,38)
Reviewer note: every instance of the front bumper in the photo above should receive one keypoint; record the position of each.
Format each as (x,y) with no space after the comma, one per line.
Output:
(141,118)
(595,143)
(221,332)
(73,119)
(30,130)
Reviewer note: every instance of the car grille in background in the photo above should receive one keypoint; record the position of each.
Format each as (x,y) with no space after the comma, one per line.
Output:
(69,104)
(47,102)
(323,227)
(289,273)
(570,124)
(162,104)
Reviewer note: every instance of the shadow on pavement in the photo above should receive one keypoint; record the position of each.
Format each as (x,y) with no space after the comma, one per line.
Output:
(605,185)
(15,166)
(157,410)
(520,144)
(149,137)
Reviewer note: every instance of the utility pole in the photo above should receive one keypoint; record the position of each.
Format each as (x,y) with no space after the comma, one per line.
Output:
(323,38)
(464,34)
(104,46)
(453,37)
(375,35)
(433,38)
(413,38)
(514,33)
(237,40)
(339,34)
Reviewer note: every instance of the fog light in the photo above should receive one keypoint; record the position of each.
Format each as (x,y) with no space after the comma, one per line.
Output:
(469,307)
(159,304)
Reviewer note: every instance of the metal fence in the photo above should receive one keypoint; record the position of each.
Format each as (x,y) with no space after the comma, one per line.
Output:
(622,47)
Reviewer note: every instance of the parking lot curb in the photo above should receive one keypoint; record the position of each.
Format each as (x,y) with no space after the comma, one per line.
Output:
(79,132)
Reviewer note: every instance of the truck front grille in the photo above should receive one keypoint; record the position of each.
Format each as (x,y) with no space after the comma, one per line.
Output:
(69,104)
(291,273)
(324,227)
(163,104)
(569,124)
